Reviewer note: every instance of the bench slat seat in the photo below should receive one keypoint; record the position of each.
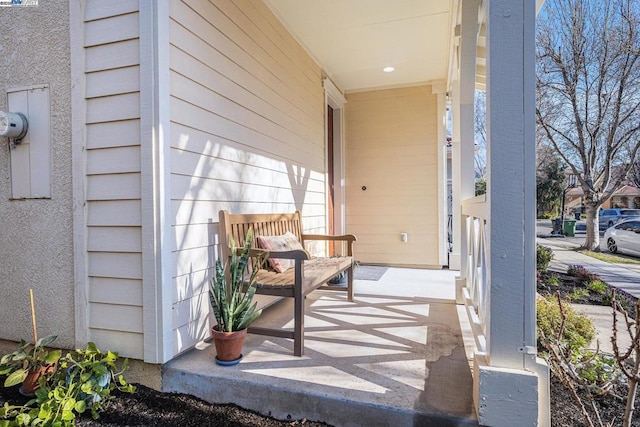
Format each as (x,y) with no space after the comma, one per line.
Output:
(297,282)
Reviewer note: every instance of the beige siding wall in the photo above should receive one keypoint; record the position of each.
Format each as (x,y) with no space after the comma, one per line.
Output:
(113,240)
(247,135)
(391,149)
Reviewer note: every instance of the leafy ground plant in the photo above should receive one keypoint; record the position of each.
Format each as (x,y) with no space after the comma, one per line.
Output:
(83,382)
(544,255)
(29,356)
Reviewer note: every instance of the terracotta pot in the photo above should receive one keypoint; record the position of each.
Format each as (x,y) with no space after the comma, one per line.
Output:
(30,383)
(228,344)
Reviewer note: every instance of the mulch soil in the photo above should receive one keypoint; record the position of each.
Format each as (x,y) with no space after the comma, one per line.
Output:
(565,411)
(147,407)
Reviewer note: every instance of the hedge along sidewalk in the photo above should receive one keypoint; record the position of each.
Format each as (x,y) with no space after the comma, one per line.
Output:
(625,277)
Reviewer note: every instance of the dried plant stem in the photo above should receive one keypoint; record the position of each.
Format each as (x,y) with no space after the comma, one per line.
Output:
(33,317)
(633,374)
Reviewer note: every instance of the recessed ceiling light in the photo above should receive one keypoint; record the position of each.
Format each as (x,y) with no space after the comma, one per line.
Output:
(388,69)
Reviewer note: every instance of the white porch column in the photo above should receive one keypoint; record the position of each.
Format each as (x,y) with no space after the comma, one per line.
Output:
(510,368)
(463,136)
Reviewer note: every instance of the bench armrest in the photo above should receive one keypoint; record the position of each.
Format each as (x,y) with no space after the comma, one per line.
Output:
(349,238)
(300,254)
(345,237)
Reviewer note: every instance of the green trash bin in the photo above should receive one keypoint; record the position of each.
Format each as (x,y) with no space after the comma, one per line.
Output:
(570,227)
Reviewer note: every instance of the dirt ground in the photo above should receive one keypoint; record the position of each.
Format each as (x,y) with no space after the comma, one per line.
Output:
(147,407)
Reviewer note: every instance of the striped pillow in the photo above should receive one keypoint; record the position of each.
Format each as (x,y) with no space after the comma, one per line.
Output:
(285,242)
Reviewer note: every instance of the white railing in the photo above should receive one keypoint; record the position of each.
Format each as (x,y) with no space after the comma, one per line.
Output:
(474,268)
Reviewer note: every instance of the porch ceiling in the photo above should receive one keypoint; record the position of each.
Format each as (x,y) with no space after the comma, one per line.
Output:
(354,40)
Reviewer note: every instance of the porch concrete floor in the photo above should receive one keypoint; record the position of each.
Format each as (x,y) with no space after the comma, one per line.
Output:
(393,357)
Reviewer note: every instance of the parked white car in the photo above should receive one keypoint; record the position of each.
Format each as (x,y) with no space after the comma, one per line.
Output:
(624,237)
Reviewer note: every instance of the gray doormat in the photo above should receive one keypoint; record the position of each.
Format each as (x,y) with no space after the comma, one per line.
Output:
(369,272)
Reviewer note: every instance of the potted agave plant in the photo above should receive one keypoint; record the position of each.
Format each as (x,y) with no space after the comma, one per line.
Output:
(29,363)
(231,295)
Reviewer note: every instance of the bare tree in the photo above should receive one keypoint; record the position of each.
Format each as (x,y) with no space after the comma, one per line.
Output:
(588,93)
(480,133)
(634,173)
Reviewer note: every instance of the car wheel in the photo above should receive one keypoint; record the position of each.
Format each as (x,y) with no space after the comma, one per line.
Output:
(611,245)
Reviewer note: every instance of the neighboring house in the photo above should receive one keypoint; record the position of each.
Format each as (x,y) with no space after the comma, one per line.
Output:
(148,117)
(627,196)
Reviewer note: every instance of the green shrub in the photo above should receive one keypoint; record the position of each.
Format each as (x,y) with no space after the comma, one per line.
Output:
(578,329)
(583,275)
(597,286)
(553,280)
(578,293)
(547,215)
(544,255)
(596,369)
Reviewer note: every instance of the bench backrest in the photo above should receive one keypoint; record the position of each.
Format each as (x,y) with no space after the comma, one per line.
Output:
(237,225)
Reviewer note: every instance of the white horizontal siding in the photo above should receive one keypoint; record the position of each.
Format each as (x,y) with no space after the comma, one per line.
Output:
(204,120)
(113,182)
(192,188)
(190,334)
(198,166)
(111,29)
(192,284)
(115,264)
(127,344)
(113,160)
(113,186)
(116,317)
(113,134)
(99,9)
(115,291)
(125,213)
(193,308)
(112,108)
(247,135)
(114,239)
(124,53)
(113,82)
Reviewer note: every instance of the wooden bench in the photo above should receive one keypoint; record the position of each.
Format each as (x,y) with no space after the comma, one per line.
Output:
(308,274)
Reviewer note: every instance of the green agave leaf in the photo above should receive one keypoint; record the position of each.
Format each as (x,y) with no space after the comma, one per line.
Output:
(15,378)
(249,317)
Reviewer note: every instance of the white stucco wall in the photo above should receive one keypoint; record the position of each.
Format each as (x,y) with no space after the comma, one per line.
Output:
(36,235)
